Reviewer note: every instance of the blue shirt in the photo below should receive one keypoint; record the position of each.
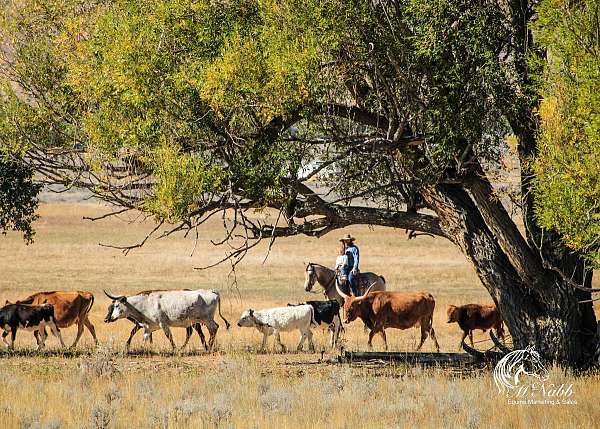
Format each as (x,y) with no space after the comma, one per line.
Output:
(353,256)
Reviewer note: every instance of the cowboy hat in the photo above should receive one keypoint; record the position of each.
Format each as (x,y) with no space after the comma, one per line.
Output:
(348,237)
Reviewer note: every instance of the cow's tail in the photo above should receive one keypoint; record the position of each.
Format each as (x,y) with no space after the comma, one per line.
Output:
(89,307)
(227,324)
(382,278)
(313,320)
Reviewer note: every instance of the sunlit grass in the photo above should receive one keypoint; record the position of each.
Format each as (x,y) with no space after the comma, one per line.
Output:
(237,386)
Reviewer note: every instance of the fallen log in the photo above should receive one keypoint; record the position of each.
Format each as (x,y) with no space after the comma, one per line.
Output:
(409,357)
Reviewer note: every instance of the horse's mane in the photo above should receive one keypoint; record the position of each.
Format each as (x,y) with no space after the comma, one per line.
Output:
(318,265)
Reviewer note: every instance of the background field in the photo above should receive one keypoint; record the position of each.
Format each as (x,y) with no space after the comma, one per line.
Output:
(236,386)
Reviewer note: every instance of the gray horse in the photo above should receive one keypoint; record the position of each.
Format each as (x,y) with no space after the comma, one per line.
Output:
(316,273)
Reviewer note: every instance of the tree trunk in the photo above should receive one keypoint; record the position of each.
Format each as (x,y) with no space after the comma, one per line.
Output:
(546,315)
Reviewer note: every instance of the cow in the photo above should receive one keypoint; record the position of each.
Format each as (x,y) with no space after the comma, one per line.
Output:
(69,308)
(476,316)
(401,310)
(137,326)
(166,309)
(326,313)
(30,318)
(281,319)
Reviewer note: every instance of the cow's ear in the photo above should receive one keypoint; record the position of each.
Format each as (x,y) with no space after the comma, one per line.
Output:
(251,312)
(123,299)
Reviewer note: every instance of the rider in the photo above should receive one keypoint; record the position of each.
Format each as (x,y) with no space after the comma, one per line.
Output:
(353,255)
(341,265)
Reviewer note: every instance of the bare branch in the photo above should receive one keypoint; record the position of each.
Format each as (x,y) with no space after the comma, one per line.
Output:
(127,249)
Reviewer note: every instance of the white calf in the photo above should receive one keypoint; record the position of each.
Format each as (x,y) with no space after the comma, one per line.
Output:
(281,319)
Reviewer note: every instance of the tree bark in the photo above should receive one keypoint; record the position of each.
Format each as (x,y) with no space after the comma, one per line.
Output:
(546,315)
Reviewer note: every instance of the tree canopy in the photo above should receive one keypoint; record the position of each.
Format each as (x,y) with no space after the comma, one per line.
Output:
(568,165)
(192,101)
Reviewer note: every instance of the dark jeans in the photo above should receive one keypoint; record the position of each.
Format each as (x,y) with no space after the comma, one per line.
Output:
(352,281)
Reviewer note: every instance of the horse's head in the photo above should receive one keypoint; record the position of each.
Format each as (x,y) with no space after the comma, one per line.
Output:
(310,277)
(532,364)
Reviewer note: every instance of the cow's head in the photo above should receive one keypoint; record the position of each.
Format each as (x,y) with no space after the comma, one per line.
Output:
(352,303)
(452,313)
(310,277)
(117,308)
(247,319)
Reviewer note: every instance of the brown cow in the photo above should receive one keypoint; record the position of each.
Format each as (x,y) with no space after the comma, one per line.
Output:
(69,308)
(476,316)
(400,310)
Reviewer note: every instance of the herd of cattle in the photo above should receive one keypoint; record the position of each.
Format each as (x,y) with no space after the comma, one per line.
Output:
(191,309)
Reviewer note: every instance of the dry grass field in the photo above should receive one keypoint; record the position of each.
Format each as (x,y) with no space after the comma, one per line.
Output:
(236,386)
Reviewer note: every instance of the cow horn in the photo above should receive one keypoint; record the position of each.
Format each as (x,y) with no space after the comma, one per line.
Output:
(339,291)
(363,296)
(498,344)
(114,298)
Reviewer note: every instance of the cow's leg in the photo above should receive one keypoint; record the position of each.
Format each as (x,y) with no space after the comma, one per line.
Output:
(433,337)
(136,328)
(424,332)
(301,343)
(38,340)
(147,335)
(4,335)
(79,333)
(464,335)
(471,338)
(371,335)
(13,337)
(168,334)
(278,339)
(56,333)
(90,327)
(335,333)
(188,334)
(382,332)
(212,327)
(332,338)
(500,332)
(311,344)
(198,329)
(264,342)
(43,336)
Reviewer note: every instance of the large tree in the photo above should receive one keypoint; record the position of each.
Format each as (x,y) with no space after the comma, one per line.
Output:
(186,109)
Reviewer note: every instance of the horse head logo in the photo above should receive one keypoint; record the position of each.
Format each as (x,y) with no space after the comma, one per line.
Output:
(510,369)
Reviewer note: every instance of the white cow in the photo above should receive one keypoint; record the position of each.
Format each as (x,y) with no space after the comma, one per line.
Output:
(281,319)
(167,309)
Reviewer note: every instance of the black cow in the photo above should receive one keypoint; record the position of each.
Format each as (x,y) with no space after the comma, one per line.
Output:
(327,313)
(30,318)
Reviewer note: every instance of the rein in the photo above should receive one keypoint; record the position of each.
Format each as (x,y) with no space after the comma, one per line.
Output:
(326,288)
(328,285)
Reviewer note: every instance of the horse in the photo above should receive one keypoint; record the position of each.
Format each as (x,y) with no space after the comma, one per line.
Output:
(514,365)
(316,273)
